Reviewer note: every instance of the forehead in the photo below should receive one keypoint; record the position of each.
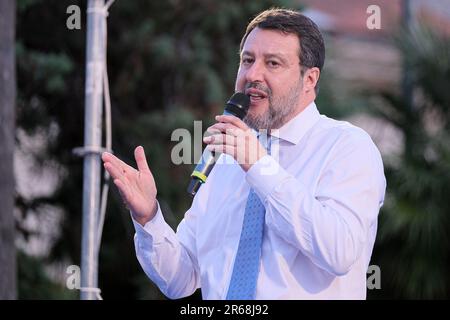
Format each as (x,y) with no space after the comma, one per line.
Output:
(268,41)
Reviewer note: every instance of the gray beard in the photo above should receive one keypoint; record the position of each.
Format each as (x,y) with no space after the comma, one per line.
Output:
(279,112)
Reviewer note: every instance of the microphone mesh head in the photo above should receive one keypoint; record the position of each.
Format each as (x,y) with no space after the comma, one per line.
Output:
(240,99)
(238,105)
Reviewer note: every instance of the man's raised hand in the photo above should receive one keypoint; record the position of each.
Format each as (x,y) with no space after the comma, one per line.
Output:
(137,187)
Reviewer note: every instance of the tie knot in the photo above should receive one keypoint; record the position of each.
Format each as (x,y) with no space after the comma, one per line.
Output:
(265,139)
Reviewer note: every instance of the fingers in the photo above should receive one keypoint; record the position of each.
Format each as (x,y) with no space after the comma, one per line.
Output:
(223,127)
(221,138)
(112,165)
(108,157)
(141,161)
(114,171)
(118,170)
(221,148)
(116,162)
(227,123)
(235,121)
(120,180)
(126,178)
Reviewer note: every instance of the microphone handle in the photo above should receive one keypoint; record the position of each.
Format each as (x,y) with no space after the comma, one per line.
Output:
(203,168)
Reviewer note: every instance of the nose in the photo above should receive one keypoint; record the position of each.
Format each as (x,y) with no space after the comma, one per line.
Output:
(255,72)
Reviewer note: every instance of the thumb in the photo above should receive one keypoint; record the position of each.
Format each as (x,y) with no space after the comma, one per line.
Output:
(141,161)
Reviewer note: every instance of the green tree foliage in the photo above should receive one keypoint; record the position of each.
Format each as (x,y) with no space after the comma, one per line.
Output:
(35,283)
(169,62)
(413,241)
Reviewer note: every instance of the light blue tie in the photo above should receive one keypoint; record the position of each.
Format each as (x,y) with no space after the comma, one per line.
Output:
(246,265)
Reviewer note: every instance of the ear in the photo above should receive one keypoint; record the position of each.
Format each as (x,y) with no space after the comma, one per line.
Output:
(310,79)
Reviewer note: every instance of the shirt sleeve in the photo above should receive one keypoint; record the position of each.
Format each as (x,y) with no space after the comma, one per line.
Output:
(168,259)
(329,224)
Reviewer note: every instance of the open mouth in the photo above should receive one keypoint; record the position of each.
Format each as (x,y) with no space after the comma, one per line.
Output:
(256,95)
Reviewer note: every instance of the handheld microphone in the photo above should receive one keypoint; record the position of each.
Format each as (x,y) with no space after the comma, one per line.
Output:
(236,106)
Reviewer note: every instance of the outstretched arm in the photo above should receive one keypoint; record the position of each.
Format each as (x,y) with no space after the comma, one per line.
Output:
(168,261)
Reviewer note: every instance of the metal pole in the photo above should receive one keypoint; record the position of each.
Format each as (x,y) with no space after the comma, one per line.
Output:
(95,59)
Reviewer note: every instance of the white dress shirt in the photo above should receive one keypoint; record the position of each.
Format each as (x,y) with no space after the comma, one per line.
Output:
(322,187)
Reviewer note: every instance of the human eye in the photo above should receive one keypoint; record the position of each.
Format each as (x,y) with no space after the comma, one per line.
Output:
(246,60)
(273,63)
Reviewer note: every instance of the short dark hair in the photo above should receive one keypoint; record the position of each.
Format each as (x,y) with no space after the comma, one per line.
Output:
(312,47)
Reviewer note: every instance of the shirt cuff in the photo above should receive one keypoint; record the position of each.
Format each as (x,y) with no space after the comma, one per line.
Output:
(153,229)
(265,175)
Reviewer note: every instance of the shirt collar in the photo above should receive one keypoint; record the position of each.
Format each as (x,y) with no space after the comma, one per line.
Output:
(295,129)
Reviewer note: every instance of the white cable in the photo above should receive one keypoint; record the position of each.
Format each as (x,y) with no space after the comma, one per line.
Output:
(108,138)
(108,4)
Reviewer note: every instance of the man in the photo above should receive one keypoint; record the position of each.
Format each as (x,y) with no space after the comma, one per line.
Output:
(296,217)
